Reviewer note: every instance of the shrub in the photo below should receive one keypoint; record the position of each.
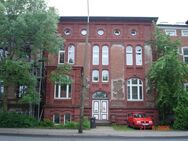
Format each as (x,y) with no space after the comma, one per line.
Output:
(46,123)
(15,120)
(86,123)
(70,125)
(181,114)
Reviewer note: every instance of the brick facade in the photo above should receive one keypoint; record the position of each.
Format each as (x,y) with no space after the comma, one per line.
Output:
(118,105)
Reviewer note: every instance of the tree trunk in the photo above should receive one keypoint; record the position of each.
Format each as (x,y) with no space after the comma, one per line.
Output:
(5,99)
(30,109)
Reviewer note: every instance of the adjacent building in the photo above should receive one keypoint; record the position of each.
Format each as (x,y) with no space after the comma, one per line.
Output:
(178,32)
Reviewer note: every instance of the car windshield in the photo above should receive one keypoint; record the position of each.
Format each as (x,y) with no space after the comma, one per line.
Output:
(139,115)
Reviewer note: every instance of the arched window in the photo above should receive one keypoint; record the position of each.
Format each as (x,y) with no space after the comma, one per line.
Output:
(95,76)
(62,91)
(56,118)
(71,54)
(61,56)
(67,118)
(135,89)
(105,76)
(105,55)
(96,55)
(129,55)
(138,55)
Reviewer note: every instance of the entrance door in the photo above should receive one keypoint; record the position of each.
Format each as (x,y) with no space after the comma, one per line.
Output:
(100,109)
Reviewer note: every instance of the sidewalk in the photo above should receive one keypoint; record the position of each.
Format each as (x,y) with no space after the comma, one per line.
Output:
(100,131)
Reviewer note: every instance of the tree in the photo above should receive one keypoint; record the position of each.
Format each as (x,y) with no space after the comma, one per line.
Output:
(167,74)
(28,28)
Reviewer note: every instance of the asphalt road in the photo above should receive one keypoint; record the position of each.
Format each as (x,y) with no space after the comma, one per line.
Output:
(51,138)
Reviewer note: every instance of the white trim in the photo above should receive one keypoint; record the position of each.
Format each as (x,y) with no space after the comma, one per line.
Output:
(172,27)
(138,90)
(97,71)
(54,119)
(71,50)
(59,92)
(129,55)
(169,31)
(139,55)
(70,117)
(182,33)
(185,84)
(61,51)
(105,55)
(95,55)
(183,53)
(103,74)
(98,112)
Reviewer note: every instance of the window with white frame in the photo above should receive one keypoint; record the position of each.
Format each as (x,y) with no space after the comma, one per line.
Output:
(95,76)
(186,87)
(56,118)
(96,55)
(105,55)
(185,54)
(3,53)
(138,55)
(71,54)
(61,56)
(22,90)
(184,32)
(62,91)
(1,88)
(129,55)
(170,32)
(105,76)
(135,89)
(67,118)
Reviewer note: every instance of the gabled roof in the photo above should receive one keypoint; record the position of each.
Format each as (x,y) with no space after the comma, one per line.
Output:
(93,18)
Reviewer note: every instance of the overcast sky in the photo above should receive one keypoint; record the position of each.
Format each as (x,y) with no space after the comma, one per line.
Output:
(171,11)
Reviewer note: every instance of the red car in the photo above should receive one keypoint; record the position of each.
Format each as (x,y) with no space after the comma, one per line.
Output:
(139,120)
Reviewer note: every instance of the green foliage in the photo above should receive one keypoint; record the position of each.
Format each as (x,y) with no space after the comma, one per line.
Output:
(162,43)
(167,74)
(60,75)
(181,112)
(14,120)
(46,123)
(86,123)
(74,125)
(16,72)
(28,28)
(70,125)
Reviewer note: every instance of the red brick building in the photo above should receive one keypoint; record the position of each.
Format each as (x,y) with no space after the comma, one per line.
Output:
(178,32)
(118,59)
